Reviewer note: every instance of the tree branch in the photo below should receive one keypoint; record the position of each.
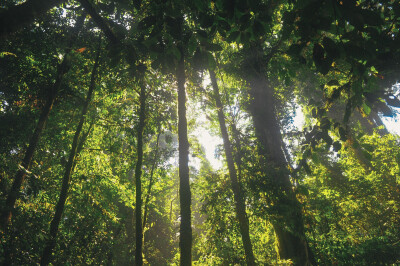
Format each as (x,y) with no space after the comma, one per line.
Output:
(101,22)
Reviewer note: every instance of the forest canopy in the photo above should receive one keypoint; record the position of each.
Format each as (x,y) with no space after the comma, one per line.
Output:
(102,108)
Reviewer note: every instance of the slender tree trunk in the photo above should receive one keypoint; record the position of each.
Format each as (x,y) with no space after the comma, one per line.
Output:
(146,202)
(17,16)
(138,178)
(289,226)
(237,193)
(84,138)
(238,153)
(62,69)
(26,162)
(47,252)
(185,197)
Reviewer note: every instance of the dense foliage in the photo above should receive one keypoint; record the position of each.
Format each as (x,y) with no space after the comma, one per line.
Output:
(101,107)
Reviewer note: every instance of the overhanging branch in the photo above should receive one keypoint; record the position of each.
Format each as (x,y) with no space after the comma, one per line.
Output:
(101,23)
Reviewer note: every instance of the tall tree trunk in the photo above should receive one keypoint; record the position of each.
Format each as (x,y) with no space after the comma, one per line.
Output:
(138,178)
(185,197)
(17,16)
(289,226)
(26,162)
(47,252)
(19,178)
(151,182)
(237,193)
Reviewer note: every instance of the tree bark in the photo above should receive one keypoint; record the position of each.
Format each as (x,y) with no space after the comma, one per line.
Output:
(288,226)
(237,193)
(47,252)
(17,16)
(185,197)
(19,178)
(138,178)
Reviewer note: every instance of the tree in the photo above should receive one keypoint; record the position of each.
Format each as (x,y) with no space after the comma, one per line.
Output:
(138,180)
(323,194)
(185,243)
(26,162)
(47,252)
(239,200)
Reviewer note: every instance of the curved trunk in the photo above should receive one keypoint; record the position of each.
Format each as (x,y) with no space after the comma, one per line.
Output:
(46,256)
(240,207)
(138,178)
(288,225)
(185,198)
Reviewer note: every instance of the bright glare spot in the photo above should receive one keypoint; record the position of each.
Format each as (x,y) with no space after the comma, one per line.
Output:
(210,144)
(202,133)
(298,120)
(392,124)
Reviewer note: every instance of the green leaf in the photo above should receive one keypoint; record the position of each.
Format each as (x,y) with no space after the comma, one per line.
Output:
(366,108)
